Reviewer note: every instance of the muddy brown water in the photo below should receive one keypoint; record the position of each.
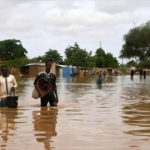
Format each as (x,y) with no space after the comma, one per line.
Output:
(113,117)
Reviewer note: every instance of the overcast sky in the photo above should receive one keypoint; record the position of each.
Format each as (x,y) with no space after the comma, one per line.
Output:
(55,24)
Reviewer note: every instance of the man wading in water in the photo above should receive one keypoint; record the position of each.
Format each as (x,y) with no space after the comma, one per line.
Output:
(50,78)
(7,85)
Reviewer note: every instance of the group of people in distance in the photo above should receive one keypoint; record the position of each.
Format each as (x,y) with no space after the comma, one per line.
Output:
(132,72)
(8,84)
(142,73)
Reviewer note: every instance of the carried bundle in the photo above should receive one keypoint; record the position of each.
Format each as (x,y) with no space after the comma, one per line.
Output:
(41,88)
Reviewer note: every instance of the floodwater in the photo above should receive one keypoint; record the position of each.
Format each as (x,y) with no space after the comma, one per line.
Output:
(115,116)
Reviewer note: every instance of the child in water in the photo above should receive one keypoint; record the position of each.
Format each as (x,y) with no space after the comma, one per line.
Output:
(99,80)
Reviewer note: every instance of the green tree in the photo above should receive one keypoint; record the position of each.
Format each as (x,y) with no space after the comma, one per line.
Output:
(91,62)
(18,62)
(145,64)
(103,59)
(100,58)
(76,56)
(137,43)
(110,61)
(70,50)
(11,49)
(53,56)
(79,58)
(37,59)
(132,63)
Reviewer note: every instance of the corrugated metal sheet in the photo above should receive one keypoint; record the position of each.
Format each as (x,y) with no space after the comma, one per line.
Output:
(35,64)
(67,71)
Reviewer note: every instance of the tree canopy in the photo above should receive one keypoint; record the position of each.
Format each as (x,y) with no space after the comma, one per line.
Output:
(111,61)
(70,50)
(76,56)
(132,63)
(53,56)
(137,43)
(11,49)
(100,58)
(103,59)
(80,57)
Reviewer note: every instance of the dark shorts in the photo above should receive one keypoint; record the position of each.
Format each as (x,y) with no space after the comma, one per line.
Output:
(49,98)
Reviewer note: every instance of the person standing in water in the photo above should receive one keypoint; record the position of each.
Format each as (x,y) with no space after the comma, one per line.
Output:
(99,80)
(49,77)
(141,73)
(144,74)
(7,85)
(132,73)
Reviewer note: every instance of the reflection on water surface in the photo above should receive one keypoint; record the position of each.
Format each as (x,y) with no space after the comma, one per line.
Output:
(44,122)
(113,117)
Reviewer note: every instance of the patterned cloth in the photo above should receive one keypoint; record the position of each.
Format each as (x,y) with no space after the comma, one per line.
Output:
(50,78)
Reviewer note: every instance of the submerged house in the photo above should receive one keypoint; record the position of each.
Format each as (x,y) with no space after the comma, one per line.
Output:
(83,71)
(33,69)
(107,71)
(68,71)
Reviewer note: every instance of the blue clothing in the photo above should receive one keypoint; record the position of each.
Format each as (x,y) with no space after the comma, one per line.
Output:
(99,80)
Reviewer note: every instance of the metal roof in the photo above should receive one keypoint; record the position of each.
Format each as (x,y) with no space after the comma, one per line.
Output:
(35,64)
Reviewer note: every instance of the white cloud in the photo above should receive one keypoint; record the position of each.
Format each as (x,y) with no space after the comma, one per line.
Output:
(117,6)
(41,25)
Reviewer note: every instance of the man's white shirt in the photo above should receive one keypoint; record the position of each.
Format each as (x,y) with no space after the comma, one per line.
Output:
(11,81)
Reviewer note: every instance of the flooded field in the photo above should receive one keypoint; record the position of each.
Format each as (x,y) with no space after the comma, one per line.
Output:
(113,117)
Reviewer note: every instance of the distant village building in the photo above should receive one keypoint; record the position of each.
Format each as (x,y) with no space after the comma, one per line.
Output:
(33,69)
(108,71)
